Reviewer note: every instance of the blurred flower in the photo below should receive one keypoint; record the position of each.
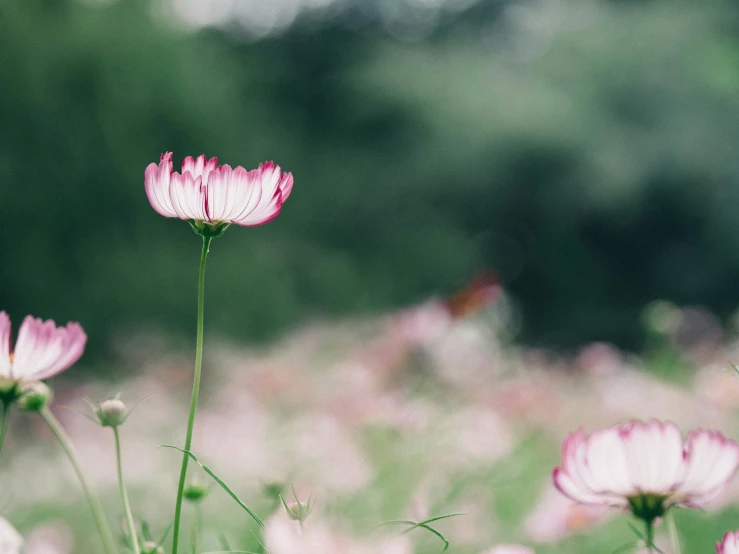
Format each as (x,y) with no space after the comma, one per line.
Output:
(283,536)
(646,467)
(216,195)
(49,538)
(599,358)
(718,387)
(10,540)
(729,544)
(42,349)
(509,549)
(556,516)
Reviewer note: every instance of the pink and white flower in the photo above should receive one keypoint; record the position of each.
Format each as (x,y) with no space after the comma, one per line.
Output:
(42,349)
(646,467)
(729,544)
(217,194)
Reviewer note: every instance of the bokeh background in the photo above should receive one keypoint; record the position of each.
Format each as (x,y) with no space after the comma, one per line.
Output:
(584,151)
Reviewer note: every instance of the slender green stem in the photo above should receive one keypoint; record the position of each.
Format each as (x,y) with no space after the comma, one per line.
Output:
(650,535)
(124,494)
(92,500)
(4,424)
(195,392)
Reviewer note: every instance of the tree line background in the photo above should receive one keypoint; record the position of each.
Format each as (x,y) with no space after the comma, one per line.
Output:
(587,151)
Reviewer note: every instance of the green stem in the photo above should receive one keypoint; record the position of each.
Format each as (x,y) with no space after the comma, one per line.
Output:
(650,535)
(124,494)
(195,392)
(92,500)
(4,425)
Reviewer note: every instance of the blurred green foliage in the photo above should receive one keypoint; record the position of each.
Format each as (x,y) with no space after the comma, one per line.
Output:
(585,150)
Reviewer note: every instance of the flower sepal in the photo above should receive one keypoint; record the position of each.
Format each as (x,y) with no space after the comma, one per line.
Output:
(648,507)
(209,230)
(10,390)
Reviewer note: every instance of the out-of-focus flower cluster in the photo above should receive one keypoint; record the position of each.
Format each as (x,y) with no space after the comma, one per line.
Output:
(419,413)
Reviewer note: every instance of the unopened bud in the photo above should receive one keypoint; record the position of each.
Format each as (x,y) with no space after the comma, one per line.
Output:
(195,492)
(112,412)
(150,547)
(298,510)
(34,396)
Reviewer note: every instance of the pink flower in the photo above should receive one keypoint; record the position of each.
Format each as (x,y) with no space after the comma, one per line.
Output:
(646,467)
(42,349)
(217,194)
(729,544)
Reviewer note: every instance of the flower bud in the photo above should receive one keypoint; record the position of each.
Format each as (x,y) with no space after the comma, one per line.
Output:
(34,396)
(112,412)
(150,547)
(297,510)
(195,492)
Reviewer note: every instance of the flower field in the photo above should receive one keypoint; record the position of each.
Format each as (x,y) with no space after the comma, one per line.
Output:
(406,416)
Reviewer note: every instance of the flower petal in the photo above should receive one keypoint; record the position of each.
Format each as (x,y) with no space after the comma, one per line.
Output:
(275,188)
(43,350)
(5,337)
(157,184)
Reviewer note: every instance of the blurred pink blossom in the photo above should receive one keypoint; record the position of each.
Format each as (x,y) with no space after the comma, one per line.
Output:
(509,549)
(42,349)
(50,538)
(599,358)
(216,194)
(556,516)
(284,536)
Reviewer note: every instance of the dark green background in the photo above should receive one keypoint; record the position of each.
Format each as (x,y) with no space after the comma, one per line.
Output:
(587,151)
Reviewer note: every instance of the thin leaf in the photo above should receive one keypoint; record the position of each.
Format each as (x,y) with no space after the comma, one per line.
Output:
(422,525)
(218,480)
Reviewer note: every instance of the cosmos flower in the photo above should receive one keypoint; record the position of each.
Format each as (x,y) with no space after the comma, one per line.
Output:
(42,349)
(217,195)
(729,544)
(10,540)
(646,467)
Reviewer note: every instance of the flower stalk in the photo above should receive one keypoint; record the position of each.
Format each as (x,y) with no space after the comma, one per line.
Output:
(4,424)
(97,511)
(195,391)
(124,495)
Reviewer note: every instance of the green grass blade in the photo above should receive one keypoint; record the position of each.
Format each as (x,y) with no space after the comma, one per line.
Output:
(218,480)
